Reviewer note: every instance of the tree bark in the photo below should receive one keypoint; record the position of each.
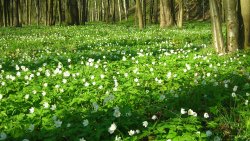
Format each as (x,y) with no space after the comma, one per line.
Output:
(139,14)
(125,9)
(180,14)
(232,25)
(216,27)
(245,13)
(16,20)
(166,13)
(37,11)
(1,13)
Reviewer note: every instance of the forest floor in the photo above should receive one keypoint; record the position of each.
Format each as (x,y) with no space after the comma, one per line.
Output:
(115,82)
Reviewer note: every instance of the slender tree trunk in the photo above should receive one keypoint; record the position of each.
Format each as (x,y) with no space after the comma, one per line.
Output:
(139,14)
(151,11)
(12,12)
(119,10)
(156,11)
(30,10)
(37,11)
(144,12)
(245,13)
(16,21)
(5,12)
(60,11)
(180,14)
(46,12)
(232,25)
(216,27)
(125,10)
(84,6)
(1,13)
(114,11)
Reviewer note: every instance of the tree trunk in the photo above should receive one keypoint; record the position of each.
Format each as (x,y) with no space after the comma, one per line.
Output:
(72,17)
(1,13)
(232,25)
(125,10)
(37,11)
(139,14)
(46,12)
(30,10)
(180,14)
(144,12)
(216,27)
(60,11)
(156,11)
(83,19)
(166,13)
(245,12)
(16,21)
(119,9)
(113,11)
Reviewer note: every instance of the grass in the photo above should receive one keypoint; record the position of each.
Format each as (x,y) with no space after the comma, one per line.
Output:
(112,82)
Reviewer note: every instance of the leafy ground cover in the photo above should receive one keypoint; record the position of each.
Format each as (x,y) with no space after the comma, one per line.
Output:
(114,82)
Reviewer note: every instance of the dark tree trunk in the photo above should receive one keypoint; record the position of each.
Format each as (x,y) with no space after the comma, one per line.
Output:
(16,21)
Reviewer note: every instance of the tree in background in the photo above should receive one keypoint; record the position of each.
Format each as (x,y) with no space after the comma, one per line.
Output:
(216,26)
(180,13)
(166,13)
(245,14)
(139,14)
(232,25)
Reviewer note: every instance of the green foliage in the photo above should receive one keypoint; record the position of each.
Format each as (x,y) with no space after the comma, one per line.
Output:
(106,82)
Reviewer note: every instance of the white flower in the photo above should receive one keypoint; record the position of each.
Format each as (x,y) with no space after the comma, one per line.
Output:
(46,105)
(112,128)
(188,66)
(145,123)
(64,81)
(137,131)
(131,132)
(102,76)
(154,117)
(209,133)
(66,74)
(235,88)
(1,96)
(32,110)
(126,74)
(31,127)
(169,75)
(43,93)
(247,94)
(86,84)
(53,107)
(82,139)
(233,94)
(26,96)
(183,111)
(117,138)
(190,112)
(45,84)
(3,136)
(25,140)
(68,125)
(85,122)
(206,115)
(117,112)
(168,140)
(246,102)
(136,80)
(208,74)
(58,123)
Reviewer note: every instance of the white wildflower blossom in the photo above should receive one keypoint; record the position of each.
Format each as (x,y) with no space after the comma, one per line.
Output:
(85,122)
(145,123)
(154,117)
(206,115)
(131,132)
(183,111)
(112,128)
